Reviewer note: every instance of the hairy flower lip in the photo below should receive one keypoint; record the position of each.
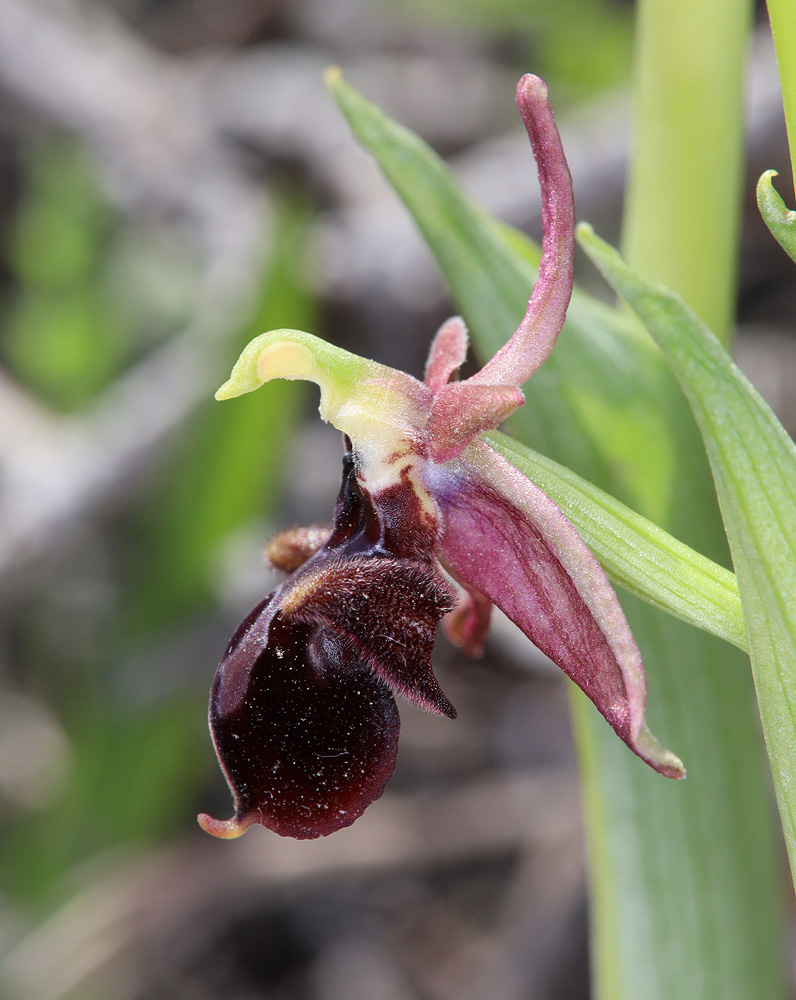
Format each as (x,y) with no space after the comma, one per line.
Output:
(301,710)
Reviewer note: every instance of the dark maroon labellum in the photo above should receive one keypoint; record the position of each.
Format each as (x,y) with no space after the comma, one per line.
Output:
(313,739)
(301,711)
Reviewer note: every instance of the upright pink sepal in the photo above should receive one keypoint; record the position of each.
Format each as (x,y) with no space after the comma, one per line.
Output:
(507,539)
(536,335)
(447,353)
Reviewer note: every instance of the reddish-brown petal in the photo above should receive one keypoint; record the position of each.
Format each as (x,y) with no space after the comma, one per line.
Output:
(385,613)
(447,353)
(307,735)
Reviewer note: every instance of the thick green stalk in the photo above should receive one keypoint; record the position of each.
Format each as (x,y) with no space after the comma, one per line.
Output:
(683,204)
(783,27)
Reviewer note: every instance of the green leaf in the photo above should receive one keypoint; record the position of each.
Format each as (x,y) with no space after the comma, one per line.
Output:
(754,467)
(62,225)
(635,553)
(63,344)
(684,891)
(776,215)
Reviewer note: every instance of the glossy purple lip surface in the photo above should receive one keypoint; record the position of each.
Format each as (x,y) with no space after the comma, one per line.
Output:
(314,738)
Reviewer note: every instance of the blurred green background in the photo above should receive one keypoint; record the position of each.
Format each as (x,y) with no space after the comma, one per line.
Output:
(173,182)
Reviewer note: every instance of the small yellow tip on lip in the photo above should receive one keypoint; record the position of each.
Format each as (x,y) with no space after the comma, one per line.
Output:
(227,829)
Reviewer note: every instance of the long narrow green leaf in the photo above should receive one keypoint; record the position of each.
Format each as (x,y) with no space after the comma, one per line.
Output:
(684,885)
(635,553)
(754,466)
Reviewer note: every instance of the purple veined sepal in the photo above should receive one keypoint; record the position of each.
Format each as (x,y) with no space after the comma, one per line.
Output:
(502,538)
(462,410)
(530,345)
(505,538)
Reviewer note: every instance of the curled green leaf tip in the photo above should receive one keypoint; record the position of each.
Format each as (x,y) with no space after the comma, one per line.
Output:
(776,215)
(769,198)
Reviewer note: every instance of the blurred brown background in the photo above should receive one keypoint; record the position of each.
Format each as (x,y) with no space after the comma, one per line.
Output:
(174,180)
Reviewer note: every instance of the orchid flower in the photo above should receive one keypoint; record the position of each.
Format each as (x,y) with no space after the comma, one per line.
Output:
(302,711)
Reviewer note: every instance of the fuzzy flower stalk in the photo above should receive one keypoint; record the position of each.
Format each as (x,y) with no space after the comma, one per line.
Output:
(302,710)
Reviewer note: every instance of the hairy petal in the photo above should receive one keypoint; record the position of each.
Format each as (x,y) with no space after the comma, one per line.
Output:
(461,411)
(384,613)
(447,353)
(307,736)
(504,537)
(535,338)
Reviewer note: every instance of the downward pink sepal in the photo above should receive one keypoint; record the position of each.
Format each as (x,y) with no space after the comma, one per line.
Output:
(506,539)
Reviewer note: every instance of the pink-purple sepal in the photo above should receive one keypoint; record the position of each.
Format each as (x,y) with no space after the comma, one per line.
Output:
(503,537)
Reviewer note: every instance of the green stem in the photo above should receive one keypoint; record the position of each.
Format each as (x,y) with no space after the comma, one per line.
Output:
(683,200)
(783,27)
